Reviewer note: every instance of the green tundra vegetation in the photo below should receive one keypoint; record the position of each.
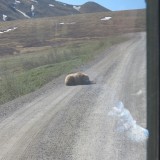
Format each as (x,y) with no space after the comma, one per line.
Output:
(24,73)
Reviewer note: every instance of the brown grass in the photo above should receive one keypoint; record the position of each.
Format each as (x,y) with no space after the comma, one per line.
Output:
(49,32)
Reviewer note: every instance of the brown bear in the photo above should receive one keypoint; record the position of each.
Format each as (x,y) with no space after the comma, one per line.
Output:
(77,79)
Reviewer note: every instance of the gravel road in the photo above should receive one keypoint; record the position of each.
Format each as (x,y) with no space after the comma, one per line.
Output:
(72,123)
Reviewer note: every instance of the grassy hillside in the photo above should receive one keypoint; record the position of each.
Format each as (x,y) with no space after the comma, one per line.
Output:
(56,30)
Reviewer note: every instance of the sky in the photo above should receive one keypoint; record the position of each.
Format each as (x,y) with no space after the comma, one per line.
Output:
(113,5)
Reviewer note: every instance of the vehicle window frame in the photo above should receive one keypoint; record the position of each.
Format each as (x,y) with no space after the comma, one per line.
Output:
(153,50)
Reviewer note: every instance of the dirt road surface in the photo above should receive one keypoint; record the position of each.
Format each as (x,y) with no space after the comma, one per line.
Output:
(72,123)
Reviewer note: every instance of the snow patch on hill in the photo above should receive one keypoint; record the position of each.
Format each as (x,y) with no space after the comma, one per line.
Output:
(32,10)
(51,5)
(4,17)
(17,2)
(8,30)
(24,14)
(77,7)
(34,1)
(68,23)
(106,18)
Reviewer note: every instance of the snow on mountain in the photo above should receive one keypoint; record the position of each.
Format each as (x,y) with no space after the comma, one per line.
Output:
(17,2)
(32,8)
(34,1)
(24,14)
(4,17)
(77,7)
(51,5)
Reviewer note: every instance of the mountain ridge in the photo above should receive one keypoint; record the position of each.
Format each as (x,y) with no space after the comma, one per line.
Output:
(22,9)
(91,7)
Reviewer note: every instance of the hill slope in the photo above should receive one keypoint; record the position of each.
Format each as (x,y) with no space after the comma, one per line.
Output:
(21,34)
(92,7)
(21,9)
